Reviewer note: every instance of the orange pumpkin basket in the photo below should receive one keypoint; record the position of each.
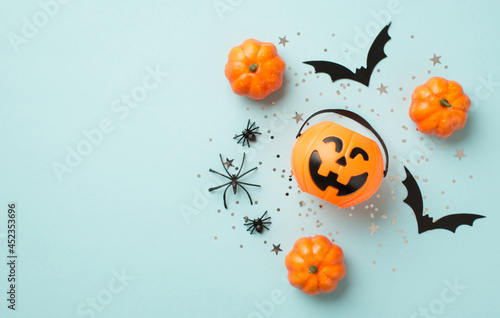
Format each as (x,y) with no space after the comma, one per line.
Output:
(337,164)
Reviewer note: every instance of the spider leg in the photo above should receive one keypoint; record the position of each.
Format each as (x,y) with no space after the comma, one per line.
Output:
(218,187)
(220,174)
(251,126)
(265,220)
(224,166)
(244,139)
(224,196)
(252,230)
(265,227)
(251,227)
(251,203)
(262,217)
(238,176)
(241,137)
(249,184)
(242,163)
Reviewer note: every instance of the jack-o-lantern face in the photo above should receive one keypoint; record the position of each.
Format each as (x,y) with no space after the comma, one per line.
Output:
(337,164)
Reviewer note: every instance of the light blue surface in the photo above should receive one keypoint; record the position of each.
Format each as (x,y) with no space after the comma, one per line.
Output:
(132,226)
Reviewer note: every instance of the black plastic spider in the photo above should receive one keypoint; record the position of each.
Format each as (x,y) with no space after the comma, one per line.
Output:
(234,180)
(257,224)
(248,134)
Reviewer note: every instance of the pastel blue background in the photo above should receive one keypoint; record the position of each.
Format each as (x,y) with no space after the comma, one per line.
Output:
(136,205)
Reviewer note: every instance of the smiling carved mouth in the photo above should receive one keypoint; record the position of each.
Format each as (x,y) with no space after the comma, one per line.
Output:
(322,182)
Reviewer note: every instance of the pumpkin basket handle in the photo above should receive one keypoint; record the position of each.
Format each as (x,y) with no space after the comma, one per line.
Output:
(357,118)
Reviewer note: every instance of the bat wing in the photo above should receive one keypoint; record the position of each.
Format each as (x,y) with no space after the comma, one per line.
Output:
(453,221)
(425,222)
(362,75)
(334,70)
(375,54)
(414,197)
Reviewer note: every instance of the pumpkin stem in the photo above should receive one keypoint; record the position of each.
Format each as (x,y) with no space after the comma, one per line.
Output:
(313,269)
(253,67)
(444,102)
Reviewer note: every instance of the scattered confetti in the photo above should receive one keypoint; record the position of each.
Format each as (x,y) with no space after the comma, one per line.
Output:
(229,163)
(382,89)
(283,41)
(373,228)
(298,117)
(460,154)
(435,60)
(277,249)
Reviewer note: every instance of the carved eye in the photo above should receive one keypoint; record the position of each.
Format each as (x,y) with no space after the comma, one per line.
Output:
(358,151)
(337,141)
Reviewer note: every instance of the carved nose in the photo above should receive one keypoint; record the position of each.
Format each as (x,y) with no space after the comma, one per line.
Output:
(342,162)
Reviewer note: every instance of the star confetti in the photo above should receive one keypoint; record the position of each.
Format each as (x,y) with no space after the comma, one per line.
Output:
(460,154)
(283,41)
(298,117)
(382,89)
(435,60)
(229,163)
(373,228)
(276,249)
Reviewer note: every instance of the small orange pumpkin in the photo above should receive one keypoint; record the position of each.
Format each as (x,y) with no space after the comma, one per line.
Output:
(439,107)
(315,265)
(254,69)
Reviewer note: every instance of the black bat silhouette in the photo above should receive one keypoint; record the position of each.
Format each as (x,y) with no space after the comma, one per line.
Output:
(425,223)
(362,75)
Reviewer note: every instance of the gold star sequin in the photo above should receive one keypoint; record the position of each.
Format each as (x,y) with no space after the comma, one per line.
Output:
(276,249)
(229,163)
(373,228)
(298,117)
(283,41)
(382,89)
(435,60)
(460,154)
